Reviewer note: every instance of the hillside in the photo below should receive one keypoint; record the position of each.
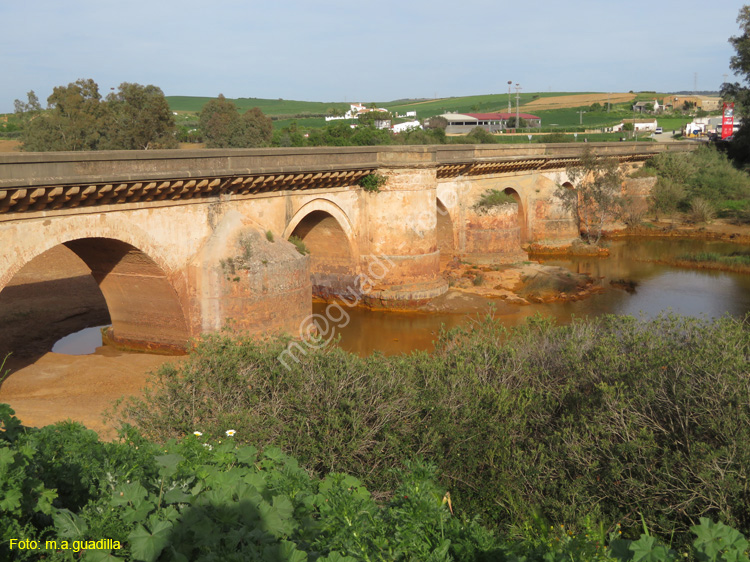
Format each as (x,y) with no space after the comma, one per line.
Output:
(555,108)
(270,107)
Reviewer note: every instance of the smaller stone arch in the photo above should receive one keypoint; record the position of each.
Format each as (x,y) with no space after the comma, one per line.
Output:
(328,235)
(522,219)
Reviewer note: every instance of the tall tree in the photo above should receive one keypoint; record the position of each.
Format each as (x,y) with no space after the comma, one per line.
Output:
(252,129)
(223,127)
(139,118)
(739,92)
(74,120)
(596,193)
(30,108)
(217,120)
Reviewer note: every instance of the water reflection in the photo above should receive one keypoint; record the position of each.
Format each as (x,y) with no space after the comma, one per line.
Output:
(658,288)
(83,342)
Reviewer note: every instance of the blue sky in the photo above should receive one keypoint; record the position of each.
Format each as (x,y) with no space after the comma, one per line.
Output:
(331,50)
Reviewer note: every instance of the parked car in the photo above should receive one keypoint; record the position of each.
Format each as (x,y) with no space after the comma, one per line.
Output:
(659,130)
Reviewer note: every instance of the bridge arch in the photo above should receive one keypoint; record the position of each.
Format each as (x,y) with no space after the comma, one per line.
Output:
(522,219)
(327,233)
(144,306)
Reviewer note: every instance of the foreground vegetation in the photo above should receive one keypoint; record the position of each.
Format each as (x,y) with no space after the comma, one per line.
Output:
(702,184)
(65,495)
(604,420)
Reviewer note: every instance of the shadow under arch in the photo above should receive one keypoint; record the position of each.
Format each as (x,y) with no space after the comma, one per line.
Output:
(144,307)
(445,231)
(51,296)
(328,236)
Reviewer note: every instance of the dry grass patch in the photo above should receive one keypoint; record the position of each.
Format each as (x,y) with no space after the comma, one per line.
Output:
(9,145)
(577,100)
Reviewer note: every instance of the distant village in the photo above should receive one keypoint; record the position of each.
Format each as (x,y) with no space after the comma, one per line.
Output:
(645,118)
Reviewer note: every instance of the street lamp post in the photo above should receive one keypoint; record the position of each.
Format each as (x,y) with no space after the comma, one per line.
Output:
(518,122)
(510,107)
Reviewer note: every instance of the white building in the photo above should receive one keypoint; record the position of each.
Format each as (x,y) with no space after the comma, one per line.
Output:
(406,126)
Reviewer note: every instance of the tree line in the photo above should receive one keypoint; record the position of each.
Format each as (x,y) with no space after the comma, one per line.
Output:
(135,117)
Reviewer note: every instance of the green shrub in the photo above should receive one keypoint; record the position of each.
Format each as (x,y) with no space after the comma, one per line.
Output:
(479,135)
(603,419)
(554,138)
(701,211)
(704,173)
(372,182)
(493,198)
(299,244)
(216,499)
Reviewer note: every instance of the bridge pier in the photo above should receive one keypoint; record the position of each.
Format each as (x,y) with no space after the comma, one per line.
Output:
(401,267)
(247,282)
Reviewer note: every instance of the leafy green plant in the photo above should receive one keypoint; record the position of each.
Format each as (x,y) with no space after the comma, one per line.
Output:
(493,198)
(717,542)
(269,235)
(372,182)
(245,243)
(299,244)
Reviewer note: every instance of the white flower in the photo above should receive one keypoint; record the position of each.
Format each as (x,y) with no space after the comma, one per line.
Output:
(230,432)
(210,448)
(197,434)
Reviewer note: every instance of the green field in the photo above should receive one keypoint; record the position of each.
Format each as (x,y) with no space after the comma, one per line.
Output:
(424,108)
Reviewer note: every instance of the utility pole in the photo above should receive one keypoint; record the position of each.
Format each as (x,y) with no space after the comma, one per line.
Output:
(580,116)
(510,107)
(518,122)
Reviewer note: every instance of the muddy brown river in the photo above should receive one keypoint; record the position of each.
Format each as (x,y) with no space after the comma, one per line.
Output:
(55,297)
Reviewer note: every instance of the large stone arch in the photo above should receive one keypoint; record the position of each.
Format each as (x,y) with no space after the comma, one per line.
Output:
(328,235)
(332,209)
(55,233)
(134,277)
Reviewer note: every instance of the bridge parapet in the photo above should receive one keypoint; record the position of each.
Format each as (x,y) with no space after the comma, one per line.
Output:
(65,180)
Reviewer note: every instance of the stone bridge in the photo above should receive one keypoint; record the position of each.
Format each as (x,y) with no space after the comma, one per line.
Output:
(187,242)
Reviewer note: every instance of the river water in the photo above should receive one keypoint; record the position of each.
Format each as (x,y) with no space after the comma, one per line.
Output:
(654,289)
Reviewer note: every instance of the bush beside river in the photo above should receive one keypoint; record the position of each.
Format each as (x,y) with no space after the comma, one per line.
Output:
(606,420)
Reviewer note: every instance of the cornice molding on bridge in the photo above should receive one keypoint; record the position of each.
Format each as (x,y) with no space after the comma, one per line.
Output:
(450,171)
(56,197)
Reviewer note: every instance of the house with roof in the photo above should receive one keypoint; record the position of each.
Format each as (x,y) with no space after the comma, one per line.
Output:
(647,125)
(647,106)
(464,123)
(706,103)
